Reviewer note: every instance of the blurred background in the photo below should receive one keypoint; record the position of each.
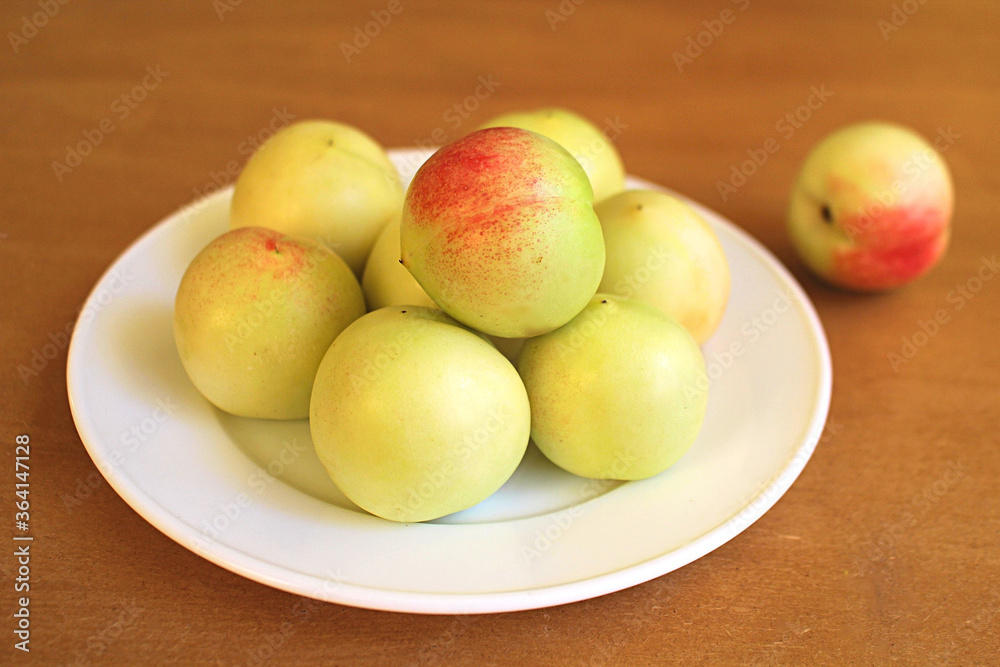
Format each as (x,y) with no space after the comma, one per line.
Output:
(115,114)
(684,113)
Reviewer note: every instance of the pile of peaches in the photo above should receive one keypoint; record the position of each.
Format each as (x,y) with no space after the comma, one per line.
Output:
(514,291)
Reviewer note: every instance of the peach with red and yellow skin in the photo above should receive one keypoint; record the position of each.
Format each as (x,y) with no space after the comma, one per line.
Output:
(255,313)
(499,230)
(871,209)
(386,282)
(584,140)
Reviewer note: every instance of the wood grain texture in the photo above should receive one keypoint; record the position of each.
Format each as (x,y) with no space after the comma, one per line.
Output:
(877,555)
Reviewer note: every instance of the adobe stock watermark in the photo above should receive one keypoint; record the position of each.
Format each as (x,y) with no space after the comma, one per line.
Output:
(911,170)
(31,25)
(121,109)
(612,129)
(879,548)
(229,513)
(442,648)
(560,523)
(588,327)
(767,493)
(454,117)
(223,7)
(589,154)
(973,627)
(957,298)
(269,644)
(217,180)
(433,481)
(696,44)
(656,258)
(636,623)
(900,15)
(720,361)
(58,341)
(785,127)
(385,355)
(364,34)
(99,642)
(131,439)
(375,365)
(562,12)
(264,308)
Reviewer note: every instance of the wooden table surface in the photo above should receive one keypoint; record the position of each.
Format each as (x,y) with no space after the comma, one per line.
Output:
(886,550)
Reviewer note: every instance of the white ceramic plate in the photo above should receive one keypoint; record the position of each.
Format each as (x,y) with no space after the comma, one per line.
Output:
(252,497)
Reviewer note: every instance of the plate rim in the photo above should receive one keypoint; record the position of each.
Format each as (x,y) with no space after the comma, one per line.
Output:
(388,599)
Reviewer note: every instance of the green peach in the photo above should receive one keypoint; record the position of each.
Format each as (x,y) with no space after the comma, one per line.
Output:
(326,181)
(661,252)
(415,417)
(618,393)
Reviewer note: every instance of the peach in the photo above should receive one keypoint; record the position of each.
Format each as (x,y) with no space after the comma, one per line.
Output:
(415,417)
(661,252)
(871,208)
(499,230)
(618,393)
(584,140)
(326,181)
(255,312)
